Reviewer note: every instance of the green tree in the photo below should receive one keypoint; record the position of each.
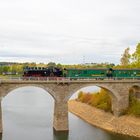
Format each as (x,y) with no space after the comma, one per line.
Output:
(59,65)
(51,64)
(6,68)
(125,59)
(1,69)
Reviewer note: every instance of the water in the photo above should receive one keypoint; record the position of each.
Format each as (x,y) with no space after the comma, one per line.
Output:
(28,115)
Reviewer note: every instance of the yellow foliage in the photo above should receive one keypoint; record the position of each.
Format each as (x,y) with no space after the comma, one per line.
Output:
(100,100)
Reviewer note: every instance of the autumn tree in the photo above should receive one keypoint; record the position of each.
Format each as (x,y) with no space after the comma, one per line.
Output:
(136,54)
(125,59)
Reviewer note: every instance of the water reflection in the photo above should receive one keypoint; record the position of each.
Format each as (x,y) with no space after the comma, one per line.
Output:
(60,135)
(0,136)
(28,115)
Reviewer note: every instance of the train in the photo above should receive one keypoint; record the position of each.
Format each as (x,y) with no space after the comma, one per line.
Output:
(74,73)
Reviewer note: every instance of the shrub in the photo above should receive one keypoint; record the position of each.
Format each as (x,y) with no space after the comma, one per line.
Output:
(80,95)
(104,106)
(134,106)
(100,99)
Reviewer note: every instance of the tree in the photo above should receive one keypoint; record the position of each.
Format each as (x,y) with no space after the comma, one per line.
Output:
(33,64)
(136,54)
(125,59)
(51,64)
(1,69)
(59,65)
(6,68)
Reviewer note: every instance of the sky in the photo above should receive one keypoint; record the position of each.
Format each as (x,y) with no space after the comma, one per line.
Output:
(68,31)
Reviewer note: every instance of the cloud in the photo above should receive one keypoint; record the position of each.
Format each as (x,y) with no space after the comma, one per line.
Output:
(65,31)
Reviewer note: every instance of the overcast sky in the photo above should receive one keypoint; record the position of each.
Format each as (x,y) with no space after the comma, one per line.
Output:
(68,31)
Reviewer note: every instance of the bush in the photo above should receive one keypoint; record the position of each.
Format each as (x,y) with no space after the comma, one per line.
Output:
(104,106)
(134,106)
(100,100)
(80,96)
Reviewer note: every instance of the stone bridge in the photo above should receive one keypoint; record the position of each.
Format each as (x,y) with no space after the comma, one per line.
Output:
(62,90)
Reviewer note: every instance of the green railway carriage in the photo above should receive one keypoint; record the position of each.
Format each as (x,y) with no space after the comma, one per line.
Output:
(86,73)
(102,73)
(127,73)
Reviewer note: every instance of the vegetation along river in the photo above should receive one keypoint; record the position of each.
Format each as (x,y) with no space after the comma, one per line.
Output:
(28,115)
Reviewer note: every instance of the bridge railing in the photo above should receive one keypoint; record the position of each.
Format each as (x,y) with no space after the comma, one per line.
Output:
(68,78)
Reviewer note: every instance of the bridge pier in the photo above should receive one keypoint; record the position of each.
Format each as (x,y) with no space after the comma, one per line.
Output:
(60,122)
(120,104)
(0,115)
(119,107)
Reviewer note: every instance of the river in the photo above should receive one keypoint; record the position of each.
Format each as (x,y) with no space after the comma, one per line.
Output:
(28,115)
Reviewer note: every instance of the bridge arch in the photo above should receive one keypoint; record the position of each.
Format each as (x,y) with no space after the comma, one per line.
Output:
(112,92)
(115,97)
(14,87)
(135,91)
(29,106)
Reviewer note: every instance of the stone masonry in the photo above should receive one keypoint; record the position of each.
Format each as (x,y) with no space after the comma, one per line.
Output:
(62,90)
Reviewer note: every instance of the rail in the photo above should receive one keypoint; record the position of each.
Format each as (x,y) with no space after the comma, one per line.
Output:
(67,78)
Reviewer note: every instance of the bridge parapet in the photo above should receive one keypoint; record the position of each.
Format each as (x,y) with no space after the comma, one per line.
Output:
(61,80)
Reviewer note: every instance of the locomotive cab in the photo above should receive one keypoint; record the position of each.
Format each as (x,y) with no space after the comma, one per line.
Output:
(109,73)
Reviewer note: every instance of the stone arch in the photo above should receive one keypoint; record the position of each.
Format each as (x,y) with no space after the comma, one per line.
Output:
(115,97)
(10,88)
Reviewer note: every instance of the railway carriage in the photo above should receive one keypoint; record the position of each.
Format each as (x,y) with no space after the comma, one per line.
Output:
(86,73)
(103,73)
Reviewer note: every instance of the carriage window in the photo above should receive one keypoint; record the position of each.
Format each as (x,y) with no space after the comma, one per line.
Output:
(85,72)
(79,72)
(134,72)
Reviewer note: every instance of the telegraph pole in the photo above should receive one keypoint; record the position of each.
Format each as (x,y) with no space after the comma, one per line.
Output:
(83,59)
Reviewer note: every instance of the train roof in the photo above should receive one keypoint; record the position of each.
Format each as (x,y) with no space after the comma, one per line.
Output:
(103,68)
(46,68)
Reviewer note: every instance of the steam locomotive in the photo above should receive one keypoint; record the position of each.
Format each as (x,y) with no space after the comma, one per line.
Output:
(42,72)
(94,73)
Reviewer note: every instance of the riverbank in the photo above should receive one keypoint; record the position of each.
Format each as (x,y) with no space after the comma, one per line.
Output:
(127,125)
